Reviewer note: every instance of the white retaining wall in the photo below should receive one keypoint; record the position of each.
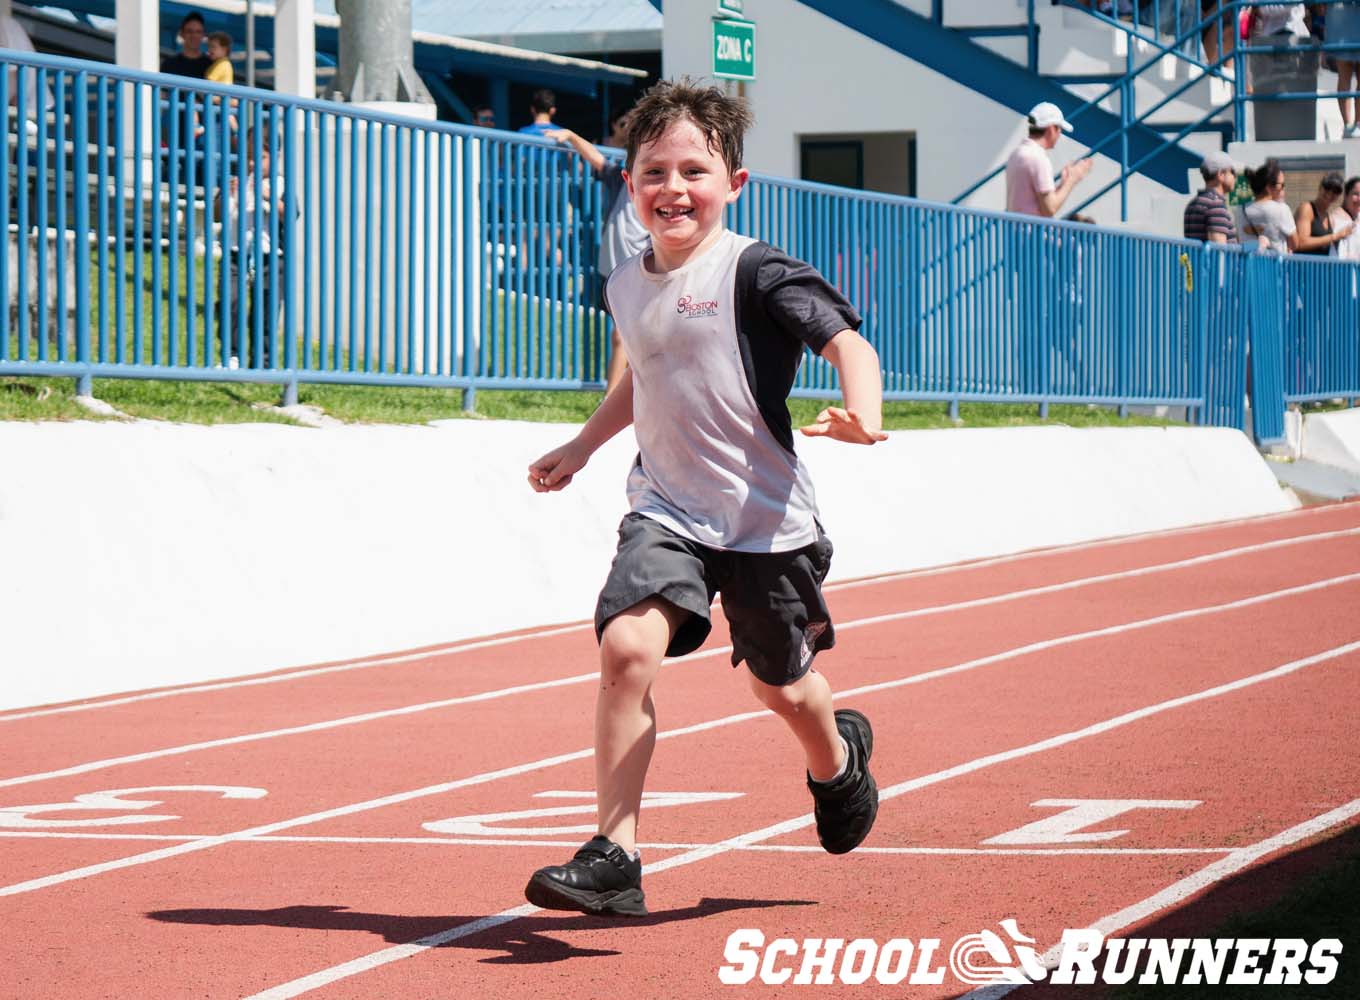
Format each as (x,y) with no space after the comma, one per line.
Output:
(148,554)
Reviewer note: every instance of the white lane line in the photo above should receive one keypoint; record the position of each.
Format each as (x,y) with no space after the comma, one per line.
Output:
(458,647)
(983,563)
(306,984)
(489,776)
(349,720)
(468,646)
(573,844)
(1182,890)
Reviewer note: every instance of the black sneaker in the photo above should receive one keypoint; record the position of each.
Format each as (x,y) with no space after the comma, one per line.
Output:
(601,878)
(846,808)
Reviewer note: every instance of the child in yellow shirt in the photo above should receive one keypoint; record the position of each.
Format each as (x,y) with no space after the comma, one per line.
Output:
(219,51)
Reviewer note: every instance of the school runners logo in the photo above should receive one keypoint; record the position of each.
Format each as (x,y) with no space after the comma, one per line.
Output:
(1022,967)
(1082,957)
(690,309)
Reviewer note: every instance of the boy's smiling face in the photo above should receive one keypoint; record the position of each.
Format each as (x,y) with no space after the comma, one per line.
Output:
(680,187)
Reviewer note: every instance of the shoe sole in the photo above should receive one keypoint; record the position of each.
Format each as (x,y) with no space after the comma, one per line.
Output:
(551,896)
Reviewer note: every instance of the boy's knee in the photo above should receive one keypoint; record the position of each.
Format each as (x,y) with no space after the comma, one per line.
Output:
(627,654)
(785,699)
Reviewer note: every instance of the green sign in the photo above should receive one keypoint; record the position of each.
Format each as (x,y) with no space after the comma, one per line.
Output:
(734,49)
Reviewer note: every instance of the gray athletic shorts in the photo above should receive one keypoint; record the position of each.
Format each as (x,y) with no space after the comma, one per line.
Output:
(772,600)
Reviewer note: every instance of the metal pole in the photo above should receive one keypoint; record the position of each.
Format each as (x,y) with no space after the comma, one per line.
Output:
(250,43)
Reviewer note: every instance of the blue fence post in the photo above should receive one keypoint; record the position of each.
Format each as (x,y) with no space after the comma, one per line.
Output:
(288,232)
(1266,304)
(85,383)
(472,252)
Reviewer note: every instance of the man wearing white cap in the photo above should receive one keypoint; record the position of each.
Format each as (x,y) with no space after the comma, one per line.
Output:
(1029,176)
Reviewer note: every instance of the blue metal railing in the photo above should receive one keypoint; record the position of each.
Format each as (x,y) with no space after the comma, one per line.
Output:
(216,233)
(1181,30)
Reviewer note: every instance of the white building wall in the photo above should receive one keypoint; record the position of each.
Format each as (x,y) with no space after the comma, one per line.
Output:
(814,76)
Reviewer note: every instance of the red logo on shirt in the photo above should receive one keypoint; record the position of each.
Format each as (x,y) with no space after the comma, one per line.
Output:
(690,309)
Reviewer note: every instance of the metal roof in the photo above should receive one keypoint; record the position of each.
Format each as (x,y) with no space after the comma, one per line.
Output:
(546,25)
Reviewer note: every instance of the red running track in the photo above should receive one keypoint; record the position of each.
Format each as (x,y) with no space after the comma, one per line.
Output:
(365,829)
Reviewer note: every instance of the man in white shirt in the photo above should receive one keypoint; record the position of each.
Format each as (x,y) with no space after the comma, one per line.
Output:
(1029,175)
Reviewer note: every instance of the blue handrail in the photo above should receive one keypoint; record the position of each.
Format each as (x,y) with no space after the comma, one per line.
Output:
(237,236)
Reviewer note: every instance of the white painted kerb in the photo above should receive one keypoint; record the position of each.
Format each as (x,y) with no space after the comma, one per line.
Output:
(148,554)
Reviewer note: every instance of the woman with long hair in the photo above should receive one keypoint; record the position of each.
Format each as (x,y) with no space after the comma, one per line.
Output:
(1322,223)
(1267,221)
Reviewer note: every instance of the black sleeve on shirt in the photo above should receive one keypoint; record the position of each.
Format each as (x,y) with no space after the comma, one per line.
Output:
(800,301)
(782,304)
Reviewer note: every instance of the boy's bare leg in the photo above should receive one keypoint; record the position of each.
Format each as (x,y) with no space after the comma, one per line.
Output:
(806,706)
(631,650)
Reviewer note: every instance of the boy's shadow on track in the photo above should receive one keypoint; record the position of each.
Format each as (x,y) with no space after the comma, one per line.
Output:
(525,940)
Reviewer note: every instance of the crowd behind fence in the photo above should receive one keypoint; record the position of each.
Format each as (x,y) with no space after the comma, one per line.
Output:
(149,236)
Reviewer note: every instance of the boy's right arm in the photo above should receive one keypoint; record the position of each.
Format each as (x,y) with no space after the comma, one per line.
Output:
(554,470)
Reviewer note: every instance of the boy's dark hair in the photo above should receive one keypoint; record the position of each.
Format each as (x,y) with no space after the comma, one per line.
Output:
(190,18)
(723,120)
(543,101)
(221,38)
(1264,175)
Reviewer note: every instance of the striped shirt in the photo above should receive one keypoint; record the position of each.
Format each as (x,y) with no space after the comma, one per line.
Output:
(1208,214)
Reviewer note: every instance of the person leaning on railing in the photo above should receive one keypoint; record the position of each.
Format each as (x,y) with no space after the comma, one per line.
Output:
(624,235)
(1207,218)
(1267,221)
(1322,223)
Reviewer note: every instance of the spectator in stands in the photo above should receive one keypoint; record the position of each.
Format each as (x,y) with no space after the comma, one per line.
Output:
(1220,34)
(1349,248)
(1207,218)
(219,51)
(254,215)
(190,60)
(1267,221)
(484,115)
(543,106)
(624,235)
(1343,28)
(1029,175)
(14,37)
(1322,223)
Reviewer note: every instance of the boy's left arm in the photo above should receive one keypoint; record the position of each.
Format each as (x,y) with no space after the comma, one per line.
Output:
(861,420)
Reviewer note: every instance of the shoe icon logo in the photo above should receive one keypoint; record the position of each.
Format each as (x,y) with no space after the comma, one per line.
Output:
(986,958)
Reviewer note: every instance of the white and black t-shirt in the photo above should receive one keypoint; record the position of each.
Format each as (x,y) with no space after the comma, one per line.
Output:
(714,347)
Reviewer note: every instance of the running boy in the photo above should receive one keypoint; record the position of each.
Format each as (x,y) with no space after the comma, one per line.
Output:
(713,325)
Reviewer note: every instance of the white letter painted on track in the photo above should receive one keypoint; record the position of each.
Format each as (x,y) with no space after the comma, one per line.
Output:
(894,962)
(787,947)
(857,964)
(1207,961)
(743,956)
(479,826)
(924,975)
(1246,970)
(1115,973)
(820,955)
(1164,961)
(1286,968)
(1079,813)
(20,817)
(1323,958)
(1077,963)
